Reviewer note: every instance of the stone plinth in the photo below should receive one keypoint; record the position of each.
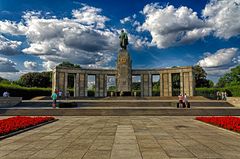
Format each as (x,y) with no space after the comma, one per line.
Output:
(124,75)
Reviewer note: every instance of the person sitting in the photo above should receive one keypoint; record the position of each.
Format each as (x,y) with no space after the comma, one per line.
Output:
(180,100)
(5,94)
(187,104)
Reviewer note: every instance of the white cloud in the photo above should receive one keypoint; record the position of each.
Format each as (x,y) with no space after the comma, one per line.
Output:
(7,65)
(12,27)
(125,20)
(220,62)
(9,47)
(83,39)
(220,58)
(49,65)
(90,16)
(171,26)
(30,65)
(223,17)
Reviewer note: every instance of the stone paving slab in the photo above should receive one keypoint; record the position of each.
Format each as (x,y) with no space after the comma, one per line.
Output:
(122,137)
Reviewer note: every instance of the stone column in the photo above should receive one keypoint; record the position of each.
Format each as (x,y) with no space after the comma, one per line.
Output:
(105,85)
(145,85)
(150,85)
(165,84)
(82,85)
(161,84)
(169,84)
(192,83)
(86,85)
(142,85)
(186,84)
(76,85)
(55,81)
(97,85)
(181,83)
(60,78)
(102,85)
(65,83)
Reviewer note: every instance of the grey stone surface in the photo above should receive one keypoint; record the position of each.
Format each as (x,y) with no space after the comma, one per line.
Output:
(121,137)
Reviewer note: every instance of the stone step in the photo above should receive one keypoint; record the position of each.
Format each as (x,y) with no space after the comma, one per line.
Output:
(173,103)
(138,111)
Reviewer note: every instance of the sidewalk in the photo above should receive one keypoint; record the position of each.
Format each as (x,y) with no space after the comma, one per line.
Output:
(123,137)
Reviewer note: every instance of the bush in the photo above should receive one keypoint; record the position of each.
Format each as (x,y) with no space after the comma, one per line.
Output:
(24,92)
(211,92)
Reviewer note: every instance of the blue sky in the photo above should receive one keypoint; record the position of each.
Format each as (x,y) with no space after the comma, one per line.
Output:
(37,35)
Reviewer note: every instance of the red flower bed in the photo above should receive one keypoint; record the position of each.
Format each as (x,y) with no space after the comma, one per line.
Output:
(226,122)
(20,122)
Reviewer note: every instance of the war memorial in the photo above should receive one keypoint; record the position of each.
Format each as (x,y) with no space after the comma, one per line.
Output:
(119,129)
(123,74)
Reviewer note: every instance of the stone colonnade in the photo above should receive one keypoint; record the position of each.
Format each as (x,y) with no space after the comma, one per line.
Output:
(60,80)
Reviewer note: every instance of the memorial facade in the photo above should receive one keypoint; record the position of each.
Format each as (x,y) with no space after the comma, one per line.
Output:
(123,79)
(123,74)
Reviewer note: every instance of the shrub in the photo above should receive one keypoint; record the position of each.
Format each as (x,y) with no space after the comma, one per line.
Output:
(211,92)
(24,92)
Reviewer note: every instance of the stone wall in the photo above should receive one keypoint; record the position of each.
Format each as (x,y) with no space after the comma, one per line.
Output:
(9,101)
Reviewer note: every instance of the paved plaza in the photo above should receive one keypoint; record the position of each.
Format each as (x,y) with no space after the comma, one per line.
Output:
(132,137)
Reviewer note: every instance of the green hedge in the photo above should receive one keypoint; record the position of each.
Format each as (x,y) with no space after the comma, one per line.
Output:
(211,92)
(24,92)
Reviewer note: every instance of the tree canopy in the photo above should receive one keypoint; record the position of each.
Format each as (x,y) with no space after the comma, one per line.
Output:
(230,79)
(36,79)
(201,77)
(68,65)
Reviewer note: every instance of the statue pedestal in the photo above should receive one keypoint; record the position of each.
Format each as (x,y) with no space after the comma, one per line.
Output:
(124,71)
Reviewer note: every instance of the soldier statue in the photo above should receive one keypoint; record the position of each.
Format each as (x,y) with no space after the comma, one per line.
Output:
(123,40)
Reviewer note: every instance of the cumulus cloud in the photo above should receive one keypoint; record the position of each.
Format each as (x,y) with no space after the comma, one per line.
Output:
(9,47)
(221,61)
(30,65)
(171,26)
(12,28)
(90,16)
(125,20)
(7,65)
(223,17)
(83,39)
(220,58)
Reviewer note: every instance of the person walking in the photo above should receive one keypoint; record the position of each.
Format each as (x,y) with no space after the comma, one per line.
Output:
(218,95)
(185,100)
(60,94)
(54,98)
(225,95)
(222,95)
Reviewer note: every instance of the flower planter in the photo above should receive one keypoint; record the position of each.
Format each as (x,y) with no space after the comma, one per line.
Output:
(15,125)
(226,122)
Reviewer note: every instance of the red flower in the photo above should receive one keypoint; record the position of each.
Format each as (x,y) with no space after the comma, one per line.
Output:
(227,122)
(20,122)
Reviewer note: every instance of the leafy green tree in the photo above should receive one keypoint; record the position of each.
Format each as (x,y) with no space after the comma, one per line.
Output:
(201,77)
(68,65)
(112,88)
(136,86)
(230,79)
(36,79)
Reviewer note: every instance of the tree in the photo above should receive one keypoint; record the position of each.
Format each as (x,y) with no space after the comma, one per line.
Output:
(200,77)
(230,79)
(36,79)
(68,65)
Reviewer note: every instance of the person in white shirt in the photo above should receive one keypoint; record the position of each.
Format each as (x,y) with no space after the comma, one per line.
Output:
(5,94)
(185,100)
